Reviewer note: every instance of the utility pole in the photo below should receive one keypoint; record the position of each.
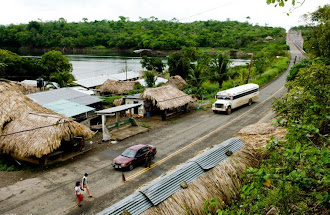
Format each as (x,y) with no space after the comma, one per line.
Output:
(247,79)
(126,69)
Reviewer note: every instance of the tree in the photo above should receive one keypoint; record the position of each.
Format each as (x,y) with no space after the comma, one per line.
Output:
(55,61)
(261,61)
(319,44)
(63,78)
(56,67)
(197,75)
(180,63)
(150,78)
(218,68)
(152,63)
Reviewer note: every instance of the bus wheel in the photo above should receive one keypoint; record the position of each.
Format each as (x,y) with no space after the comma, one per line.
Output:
(228,110)
(250,102)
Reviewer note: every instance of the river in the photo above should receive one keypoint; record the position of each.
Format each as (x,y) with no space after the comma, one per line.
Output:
(85,66)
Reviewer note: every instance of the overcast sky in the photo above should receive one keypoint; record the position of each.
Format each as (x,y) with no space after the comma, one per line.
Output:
(23,11)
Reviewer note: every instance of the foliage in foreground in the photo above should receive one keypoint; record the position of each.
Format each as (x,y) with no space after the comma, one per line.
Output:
(295,178)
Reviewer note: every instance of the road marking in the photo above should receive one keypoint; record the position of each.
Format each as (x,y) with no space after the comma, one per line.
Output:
(131,177)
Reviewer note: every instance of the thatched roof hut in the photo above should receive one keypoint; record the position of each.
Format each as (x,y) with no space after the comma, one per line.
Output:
(166,97)
(28,129)
(177,81)
(117,87)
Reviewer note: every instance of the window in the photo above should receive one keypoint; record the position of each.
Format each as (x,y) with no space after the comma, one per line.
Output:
(245,93)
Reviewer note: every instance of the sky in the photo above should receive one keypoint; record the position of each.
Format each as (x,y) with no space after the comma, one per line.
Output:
(24,11)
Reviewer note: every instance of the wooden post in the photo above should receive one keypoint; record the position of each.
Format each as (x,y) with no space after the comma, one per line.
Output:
(130,113)
(247,79)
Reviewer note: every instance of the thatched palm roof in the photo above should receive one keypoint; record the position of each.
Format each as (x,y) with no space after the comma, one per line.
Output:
(28,129)
(166,97)
(117,87)
(177,81)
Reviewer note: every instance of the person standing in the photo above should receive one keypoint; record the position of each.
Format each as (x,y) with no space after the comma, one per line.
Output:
(78,190)
(149,156)
(85,184)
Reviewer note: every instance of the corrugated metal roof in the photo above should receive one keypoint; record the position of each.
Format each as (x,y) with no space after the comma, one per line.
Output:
(135,204)
(68,108)
(214,156)
(93,81)
(158,81)
(67,93)
(167,185)
(99,80)
(123,76)
(117,109)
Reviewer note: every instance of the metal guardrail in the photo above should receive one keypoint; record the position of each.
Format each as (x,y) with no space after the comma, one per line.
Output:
(167,185)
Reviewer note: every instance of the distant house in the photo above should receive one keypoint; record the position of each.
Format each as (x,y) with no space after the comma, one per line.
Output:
(269,38)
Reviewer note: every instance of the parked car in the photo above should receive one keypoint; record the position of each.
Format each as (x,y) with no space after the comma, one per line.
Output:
(133,156)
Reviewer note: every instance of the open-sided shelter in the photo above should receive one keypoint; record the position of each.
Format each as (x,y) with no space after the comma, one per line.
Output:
(31,132)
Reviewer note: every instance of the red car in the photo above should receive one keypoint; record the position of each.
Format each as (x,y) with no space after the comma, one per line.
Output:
(133,156)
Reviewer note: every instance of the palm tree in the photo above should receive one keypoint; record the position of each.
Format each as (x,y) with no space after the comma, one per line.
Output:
(218,68)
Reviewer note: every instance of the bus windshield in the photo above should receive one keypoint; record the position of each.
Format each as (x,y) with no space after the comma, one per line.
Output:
(223,97)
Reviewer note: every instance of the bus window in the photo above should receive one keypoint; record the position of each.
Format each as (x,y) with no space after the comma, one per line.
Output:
(223,97)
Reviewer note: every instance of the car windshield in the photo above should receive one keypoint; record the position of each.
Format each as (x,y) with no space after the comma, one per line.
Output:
(223,97)
(130,153)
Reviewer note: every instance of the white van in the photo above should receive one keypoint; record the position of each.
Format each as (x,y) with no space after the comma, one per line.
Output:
(235,97)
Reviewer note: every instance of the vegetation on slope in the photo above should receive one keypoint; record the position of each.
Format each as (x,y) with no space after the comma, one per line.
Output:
(294,178)
(125,34)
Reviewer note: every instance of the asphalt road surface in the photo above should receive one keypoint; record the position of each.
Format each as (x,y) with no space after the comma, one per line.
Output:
(53,191)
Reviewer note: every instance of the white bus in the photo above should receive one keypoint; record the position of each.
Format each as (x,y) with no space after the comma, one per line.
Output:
(235,97)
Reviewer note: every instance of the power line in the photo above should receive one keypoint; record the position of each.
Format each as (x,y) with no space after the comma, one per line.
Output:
(224,5)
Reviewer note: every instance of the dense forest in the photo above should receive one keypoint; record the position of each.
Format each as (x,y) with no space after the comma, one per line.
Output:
(148,33)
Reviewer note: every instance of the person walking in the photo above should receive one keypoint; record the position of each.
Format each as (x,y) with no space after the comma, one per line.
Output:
(78,190)
(149,156)
(85,184)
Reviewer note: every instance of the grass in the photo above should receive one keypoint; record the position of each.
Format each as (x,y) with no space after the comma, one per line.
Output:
(7,166)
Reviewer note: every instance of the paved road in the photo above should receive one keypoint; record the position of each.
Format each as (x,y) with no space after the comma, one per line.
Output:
(52,192)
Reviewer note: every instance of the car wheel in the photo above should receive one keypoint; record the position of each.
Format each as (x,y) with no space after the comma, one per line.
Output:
(131,167)
(215,111)
(250,102)
(229,110)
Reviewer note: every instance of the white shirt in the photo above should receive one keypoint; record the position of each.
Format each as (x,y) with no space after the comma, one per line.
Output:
(84,180)
(78,190)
